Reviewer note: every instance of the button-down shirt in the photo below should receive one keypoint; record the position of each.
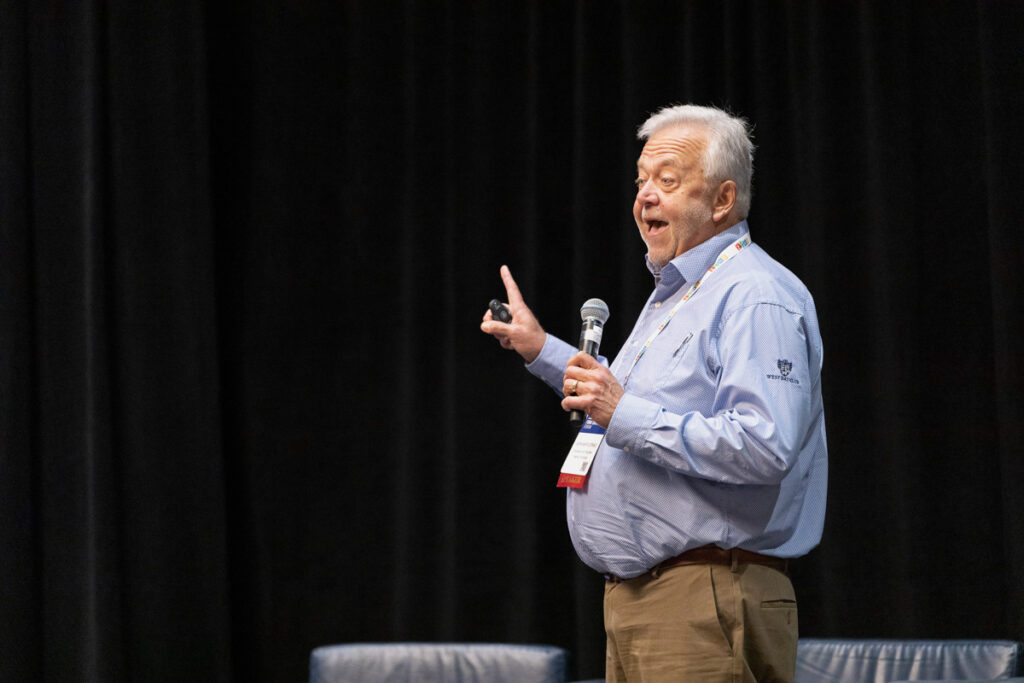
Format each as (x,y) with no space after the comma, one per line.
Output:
(720,435)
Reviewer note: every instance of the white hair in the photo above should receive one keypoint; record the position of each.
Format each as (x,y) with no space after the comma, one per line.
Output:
(730,152)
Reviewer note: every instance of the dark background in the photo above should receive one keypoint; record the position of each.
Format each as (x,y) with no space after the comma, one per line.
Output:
(245,406)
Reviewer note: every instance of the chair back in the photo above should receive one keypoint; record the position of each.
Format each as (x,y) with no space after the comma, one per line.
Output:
(437,663)
(821,660)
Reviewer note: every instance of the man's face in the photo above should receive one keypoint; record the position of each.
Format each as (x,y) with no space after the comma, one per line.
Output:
(673,209)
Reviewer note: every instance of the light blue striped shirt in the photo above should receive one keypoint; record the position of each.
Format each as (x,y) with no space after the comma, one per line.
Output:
(720,436)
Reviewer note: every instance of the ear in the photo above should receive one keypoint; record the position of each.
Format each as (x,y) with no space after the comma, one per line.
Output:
(725,200)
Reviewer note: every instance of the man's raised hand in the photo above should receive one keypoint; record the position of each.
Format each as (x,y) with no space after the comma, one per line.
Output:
(524,334)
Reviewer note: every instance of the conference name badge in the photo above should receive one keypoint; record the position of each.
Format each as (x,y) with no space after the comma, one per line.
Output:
(581,455)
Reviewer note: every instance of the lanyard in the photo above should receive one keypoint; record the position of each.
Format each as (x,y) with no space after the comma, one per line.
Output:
(727,253)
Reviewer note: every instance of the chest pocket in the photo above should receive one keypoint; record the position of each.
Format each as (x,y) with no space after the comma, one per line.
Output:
(677,356)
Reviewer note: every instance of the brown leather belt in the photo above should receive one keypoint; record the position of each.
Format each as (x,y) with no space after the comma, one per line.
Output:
(712,554)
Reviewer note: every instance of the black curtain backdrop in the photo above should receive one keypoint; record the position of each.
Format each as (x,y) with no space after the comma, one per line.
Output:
(245,407)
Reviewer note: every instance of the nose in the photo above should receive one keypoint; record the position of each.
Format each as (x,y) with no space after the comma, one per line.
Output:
(647,195)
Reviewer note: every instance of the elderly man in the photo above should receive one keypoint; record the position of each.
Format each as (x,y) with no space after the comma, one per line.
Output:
(711,471)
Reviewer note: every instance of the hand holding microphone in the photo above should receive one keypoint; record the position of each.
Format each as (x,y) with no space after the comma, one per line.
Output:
(589,387)
(594,313)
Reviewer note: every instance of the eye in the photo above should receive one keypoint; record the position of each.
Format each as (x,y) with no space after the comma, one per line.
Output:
(639,182)
(668,180)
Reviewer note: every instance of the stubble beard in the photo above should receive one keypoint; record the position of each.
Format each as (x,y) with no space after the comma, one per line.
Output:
(694,216)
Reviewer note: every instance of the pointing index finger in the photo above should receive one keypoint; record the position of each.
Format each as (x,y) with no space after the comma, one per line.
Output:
(511,288)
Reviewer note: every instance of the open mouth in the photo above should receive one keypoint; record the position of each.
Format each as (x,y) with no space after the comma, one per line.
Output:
(654,227)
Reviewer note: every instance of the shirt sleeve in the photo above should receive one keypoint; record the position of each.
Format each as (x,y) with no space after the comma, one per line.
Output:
(761,409)
(549,365)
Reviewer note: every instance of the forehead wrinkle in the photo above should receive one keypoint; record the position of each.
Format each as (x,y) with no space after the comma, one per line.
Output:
(658,162)
(684,146)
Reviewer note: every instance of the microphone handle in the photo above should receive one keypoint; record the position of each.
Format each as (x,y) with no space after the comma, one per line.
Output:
(577,417)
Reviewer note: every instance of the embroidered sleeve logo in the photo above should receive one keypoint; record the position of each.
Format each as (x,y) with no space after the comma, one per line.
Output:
(785,367)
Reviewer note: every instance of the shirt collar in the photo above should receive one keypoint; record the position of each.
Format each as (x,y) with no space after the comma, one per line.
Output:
(691,265)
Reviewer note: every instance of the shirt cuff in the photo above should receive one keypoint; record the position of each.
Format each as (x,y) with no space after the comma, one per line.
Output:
(630,422)
(549,365)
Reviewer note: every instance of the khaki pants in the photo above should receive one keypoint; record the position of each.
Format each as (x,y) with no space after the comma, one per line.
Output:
(703,623)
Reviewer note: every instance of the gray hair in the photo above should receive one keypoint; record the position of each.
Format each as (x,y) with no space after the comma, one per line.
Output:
(730,151)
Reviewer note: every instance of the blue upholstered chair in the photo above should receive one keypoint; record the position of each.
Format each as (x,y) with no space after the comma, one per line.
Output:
(877,661)
(437,663)
(819,660)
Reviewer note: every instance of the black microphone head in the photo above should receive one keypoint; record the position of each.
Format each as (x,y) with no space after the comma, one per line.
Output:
(595,308)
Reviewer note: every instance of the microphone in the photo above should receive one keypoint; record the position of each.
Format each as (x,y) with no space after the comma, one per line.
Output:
(594,313)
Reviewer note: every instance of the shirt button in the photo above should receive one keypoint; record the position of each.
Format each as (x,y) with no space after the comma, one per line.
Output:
(626,449)
(657,304)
